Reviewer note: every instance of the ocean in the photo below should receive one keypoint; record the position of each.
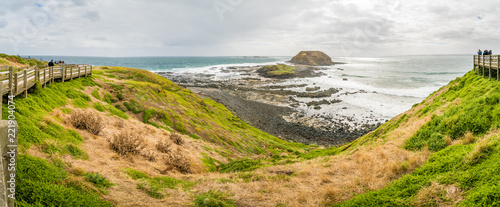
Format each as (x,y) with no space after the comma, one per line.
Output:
(381,87)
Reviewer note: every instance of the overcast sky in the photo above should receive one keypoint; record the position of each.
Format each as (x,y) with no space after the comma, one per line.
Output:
(247,27)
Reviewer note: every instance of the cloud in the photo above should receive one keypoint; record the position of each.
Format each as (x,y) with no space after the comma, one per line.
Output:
(250,27)
(3,23)
(92,16)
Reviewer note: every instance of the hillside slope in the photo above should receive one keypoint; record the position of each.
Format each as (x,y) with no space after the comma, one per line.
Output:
(127,137)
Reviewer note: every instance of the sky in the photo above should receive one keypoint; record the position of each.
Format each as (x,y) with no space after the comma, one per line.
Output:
(340,28)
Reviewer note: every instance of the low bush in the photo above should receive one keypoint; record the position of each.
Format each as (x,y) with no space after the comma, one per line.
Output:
(98,180)
(150,155)
(164,146)
(86,120)
(126,143)
(179,161)
(176,138)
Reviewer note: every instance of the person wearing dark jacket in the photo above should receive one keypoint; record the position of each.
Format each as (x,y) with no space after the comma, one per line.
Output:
(486,52)
(490,53)
(51,63)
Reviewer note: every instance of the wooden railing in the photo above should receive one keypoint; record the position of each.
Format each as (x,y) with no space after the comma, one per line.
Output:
(18,81)
(487,62)
(15,82)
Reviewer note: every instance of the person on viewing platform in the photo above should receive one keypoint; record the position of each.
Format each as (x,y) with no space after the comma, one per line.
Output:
(490,53)
(51,63)
(479,52)
(485,52)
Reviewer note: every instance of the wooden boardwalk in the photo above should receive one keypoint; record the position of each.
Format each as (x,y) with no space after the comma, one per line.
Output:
(20,80)
(489,63)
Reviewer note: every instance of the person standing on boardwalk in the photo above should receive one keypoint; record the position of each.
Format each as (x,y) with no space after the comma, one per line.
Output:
(51,63)
(490,53)
(485,52)
(479,52)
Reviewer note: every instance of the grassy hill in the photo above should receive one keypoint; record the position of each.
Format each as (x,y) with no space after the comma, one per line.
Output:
(127,137)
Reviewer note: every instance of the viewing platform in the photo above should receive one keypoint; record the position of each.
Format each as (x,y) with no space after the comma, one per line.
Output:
(488,64)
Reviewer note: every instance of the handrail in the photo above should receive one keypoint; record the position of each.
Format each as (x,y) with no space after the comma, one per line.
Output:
(20,80)
(490,62)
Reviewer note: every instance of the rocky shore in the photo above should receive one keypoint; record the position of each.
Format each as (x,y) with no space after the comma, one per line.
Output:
(293,111)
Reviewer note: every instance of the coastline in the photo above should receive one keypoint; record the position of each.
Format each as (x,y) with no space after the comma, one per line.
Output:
(293,111)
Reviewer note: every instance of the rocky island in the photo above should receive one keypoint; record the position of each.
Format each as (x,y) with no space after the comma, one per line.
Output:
(312,58)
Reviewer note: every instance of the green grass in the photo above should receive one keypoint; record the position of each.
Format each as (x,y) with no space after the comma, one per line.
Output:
(133,106)
(117,112)
(14,58)
(40,183)
(154,187)
(98,180)
(213,198)
(471,104)
(99,107)
(279,70)
(242,165)
(95,94)
(478,112)
(109,99)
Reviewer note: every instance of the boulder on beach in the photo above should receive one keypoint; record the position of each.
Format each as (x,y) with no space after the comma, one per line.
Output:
(314,58)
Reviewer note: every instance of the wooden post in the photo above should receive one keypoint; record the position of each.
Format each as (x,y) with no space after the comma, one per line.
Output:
(8,162)
(71,73)
(483,64)
(51,74)
(79,69)
(489,68)
(91,70)
(37,75)
(85,70)
(63,72)
(11,81)
(16,82)
(44,78)
(26,83)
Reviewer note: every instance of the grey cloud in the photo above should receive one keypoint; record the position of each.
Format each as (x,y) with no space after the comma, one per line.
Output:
(3,23)
(92,16)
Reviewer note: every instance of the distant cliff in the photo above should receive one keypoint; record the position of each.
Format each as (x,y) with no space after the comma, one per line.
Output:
(314,58)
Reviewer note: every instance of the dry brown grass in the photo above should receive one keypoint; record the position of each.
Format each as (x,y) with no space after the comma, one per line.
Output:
(119,123)
(164,146)
(438,194)
(126,142)
(179,161)
(87,120)
(150,155)
(468,137)
(176,138)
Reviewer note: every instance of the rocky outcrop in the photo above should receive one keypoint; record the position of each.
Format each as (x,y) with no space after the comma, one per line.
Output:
(313,58)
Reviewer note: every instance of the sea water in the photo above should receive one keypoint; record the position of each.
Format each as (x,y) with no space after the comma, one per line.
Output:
(379,88)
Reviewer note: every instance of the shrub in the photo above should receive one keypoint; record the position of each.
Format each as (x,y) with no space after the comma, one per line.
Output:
(240,166)
(98,180)
(120,107)
(150,155)
(213,198)
(120,96)
(178,161)
(95,94)
(164,146)
(133,106)
(86,120)
(109,99)
(99,107)
(125,143)
(176,138)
